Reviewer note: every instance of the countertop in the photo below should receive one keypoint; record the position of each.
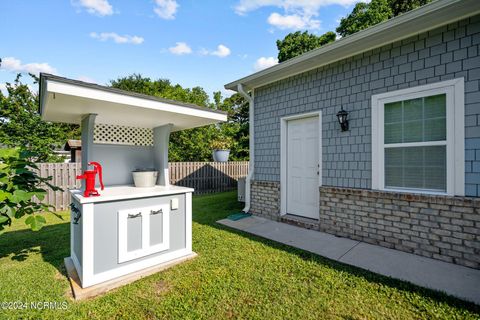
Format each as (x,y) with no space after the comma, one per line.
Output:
(116,193)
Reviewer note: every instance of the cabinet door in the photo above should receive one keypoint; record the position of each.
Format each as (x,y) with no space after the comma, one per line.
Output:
(142,232)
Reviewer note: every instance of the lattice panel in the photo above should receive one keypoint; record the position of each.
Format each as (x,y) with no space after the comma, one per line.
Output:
(115,134)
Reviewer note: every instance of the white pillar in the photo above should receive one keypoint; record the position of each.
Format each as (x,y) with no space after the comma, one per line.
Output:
(88,125)
(161,137)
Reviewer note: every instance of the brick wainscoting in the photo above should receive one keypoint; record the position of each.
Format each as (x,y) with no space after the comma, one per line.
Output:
(265,199)
(439,227)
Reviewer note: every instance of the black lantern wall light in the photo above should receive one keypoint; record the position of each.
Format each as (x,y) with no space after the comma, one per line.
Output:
(342,116)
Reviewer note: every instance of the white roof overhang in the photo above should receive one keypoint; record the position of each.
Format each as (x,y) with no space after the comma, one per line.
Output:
(68,101)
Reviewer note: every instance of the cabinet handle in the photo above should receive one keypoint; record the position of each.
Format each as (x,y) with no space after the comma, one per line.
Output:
(131,216)
(77,213)
(153,212)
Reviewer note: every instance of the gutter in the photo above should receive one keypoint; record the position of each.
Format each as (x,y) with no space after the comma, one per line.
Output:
(250,99)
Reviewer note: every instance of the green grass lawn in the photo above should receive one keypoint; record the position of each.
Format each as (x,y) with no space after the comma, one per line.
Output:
(235,276)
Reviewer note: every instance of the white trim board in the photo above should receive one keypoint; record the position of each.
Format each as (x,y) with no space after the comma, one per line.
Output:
(454,89)
(188,221)
(88,244)
(72,241)
(100,95)
(283,154)
(77,265)
(65,100)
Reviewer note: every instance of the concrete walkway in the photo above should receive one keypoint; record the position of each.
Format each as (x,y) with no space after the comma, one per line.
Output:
(458,281)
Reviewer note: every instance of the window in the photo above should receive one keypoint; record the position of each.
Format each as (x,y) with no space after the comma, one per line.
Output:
(418,139)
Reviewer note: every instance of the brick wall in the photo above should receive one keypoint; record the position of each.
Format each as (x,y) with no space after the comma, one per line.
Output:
(265,199)
(444,53)
(439,227)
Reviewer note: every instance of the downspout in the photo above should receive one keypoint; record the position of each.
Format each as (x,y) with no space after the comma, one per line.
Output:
(251,144)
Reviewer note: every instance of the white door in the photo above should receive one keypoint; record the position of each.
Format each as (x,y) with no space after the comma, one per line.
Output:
(303,167)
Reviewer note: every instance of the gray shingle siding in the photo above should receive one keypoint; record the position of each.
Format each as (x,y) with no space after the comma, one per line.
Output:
(441,54)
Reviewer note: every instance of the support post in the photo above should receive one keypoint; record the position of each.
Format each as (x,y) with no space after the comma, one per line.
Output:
(161,137)
(88,125)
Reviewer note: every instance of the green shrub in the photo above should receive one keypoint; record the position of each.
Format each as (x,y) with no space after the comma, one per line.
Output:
(21,189)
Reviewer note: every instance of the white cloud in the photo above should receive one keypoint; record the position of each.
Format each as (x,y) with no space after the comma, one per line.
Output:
(87,79)
(98,7)
(15,65)
(3,88)
(222,51)
(104,36)
(307,6)
(180,49)
(264,62)
(293,21)
(298,14)
(166,9)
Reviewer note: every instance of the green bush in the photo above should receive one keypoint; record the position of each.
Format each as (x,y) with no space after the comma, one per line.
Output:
(21,189)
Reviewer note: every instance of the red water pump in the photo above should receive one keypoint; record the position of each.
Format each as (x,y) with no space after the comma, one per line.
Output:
(89,176)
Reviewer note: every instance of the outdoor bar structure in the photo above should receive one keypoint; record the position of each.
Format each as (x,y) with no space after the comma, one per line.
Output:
(126,231)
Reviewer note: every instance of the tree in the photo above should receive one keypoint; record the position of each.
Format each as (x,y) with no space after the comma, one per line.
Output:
(237,126)
(162,88)
(21,125)
(365,15)
(297,43)
(401,6)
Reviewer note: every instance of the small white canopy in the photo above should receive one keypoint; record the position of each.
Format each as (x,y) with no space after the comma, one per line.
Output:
(68,101)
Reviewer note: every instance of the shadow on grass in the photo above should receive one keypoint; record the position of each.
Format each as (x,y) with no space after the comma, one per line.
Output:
(52,242)
(210,220)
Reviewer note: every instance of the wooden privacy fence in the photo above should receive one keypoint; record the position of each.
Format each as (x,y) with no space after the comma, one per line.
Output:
(63,176)
(204,177)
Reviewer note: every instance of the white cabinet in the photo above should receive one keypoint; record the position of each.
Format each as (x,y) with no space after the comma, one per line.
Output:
(143,231)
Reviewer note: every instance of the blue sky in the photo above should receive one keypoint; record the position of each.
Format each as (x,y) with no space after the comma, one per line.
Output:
(203,43)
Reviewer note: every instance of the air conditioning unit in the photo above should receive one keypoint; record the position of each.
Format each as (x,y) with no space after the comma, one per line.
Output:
(241,189)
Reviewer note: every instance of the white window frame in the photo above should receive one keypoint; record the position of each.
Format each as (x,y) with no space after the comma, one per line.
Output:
(146,249)
(455,139)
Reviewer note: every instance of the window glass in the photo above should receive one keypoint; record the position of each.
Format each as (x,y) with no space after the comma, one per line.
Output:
(416,168)
(415,120)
